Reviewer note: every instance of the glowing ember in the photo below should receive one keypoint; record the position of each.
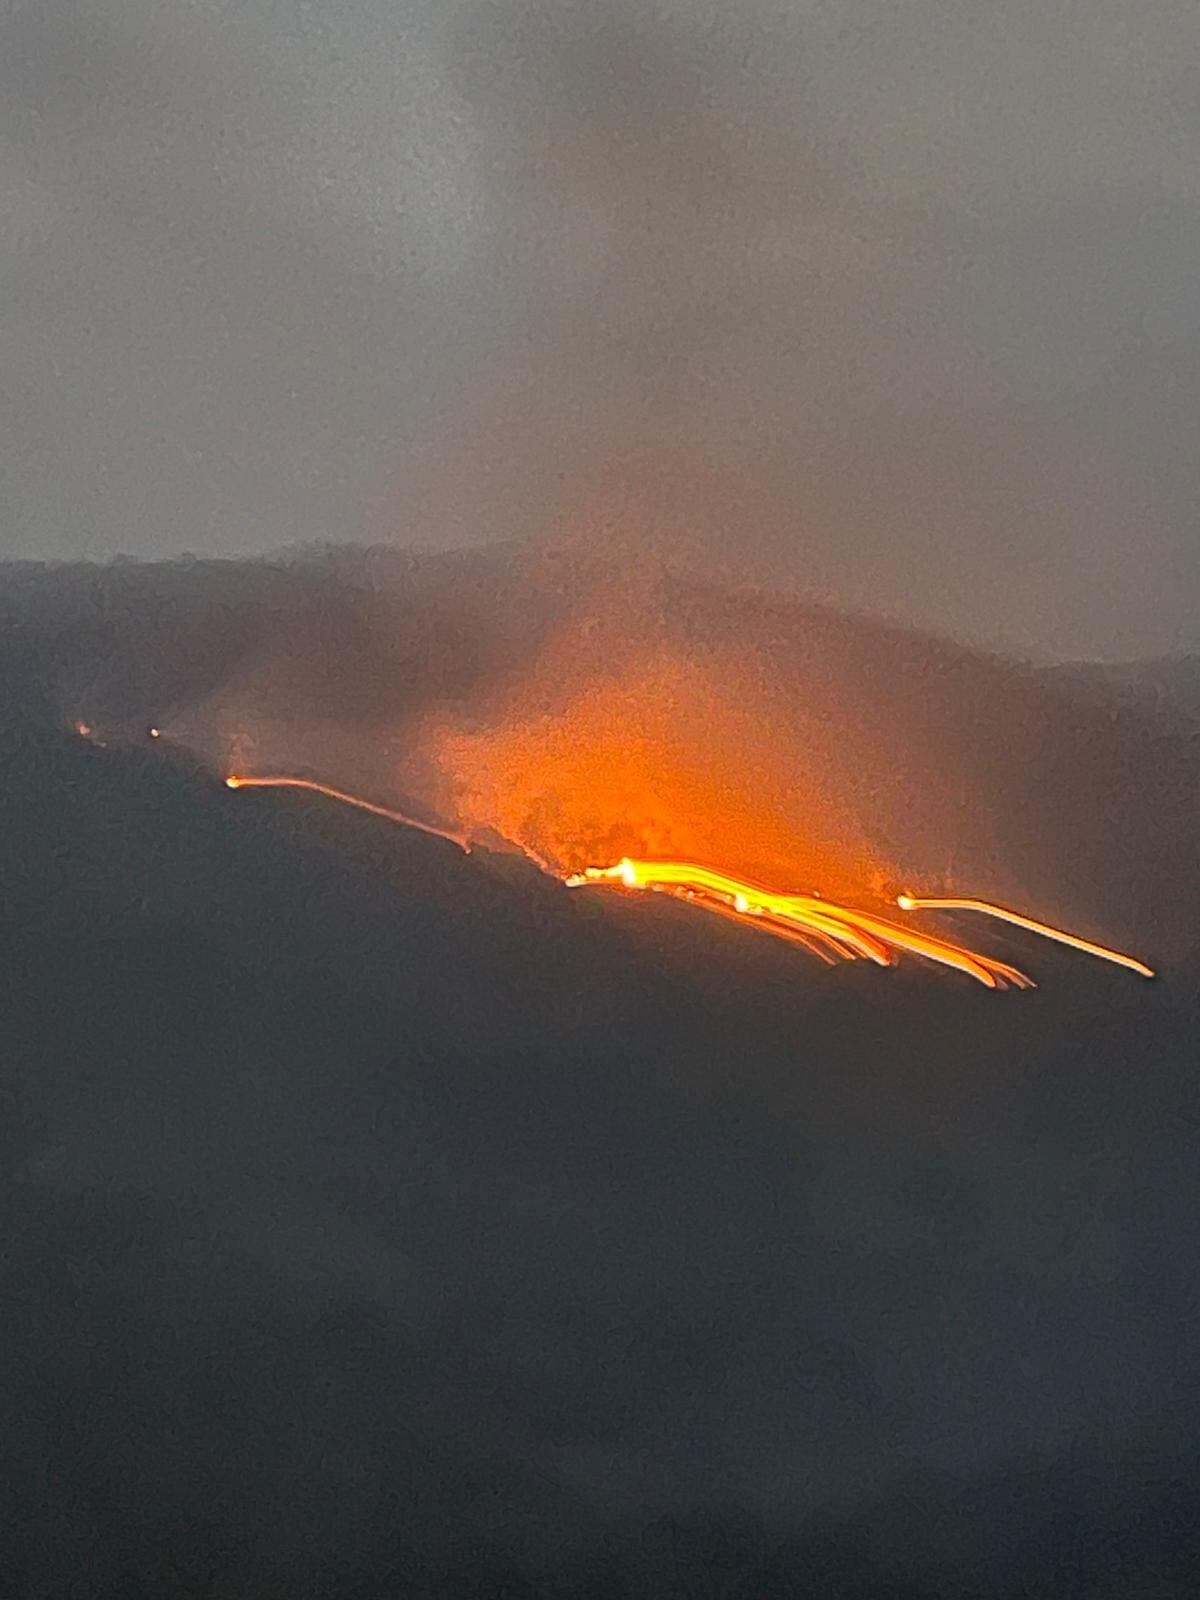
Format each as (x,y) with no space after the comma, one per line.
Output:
(239,781)
(908,902)
(850,932)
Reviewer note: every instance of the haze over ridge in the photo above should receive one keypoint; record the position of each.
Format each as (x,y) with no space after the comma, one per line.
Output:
(916,280)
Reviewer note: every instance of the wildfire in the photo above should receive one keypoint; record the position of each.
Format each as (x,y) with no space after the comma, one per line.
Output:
(652,758)
(829,930)
(239,781)
(841,931)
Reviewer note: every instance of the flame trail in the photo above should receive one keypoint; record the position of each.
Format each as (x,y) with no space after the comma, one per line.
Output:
(852,932)
(827,930)
(908,902)
(237,780)
(817,943)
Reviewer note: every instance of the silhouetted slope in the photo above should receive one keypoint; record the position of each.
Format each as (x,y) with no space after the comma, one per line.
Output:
(120,640)
(1170,683)
(383,1221)
(1068,796)
(975,770)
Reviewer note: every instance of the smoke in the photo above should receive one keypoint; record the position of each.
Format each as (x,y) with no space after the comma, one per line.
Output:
(589,696)
(921,279)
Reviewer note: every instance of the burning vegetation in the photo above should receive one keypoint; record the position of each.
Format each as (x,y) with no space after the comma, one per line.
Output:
(772,763)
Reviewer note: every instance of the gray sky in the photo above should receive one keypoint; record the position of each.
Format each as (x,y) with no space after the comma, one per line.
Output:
(920,276)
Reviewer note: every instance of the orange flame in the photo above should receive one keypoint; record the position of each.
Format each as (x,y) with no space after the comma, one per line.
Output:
(652,756)
(829,930)
(852,932)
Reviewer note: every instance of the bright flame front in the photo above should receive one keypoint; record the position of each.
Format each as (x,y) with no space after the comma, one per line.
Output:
(829,930)
(846,932)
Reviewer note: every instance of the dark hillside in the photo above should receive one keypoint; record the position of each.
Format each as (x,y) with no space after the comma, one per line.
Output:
(385,1221)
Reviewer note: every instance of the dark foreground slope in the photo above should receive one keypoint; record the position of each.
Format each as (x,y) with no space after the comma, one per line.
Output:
(382,1222)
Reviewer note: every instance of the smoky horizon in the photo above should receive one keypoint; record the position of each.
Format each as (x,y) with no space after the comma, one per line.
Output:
(887,306)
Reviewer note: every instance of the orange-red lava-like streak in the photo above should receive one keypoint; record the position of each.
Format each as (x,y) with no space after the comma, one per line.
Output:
(827,930)
(237,780)
(851,933)
(821,945)
(908,902)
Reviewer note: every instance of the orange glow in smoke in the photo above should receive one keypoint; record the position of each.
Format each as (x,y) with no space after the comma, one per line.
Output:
(658,758)
(827,929)
(663,757)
